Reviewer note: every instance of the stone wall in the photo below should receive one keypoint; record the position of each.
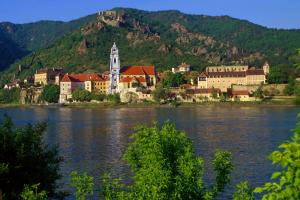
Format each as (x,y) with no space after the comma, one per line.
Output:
(278,88)
(31,95)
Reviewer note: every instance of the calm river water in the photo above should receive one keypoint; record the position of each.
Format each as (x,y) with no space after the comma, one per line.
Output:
(94,140)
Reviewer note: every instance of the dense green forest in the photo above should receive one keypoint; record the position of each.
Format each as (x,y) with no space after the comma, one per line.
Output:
(164,39)
(18,40)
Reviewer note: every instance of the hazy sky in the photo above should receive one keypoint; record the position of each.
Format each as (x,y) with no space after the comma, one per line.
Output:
(270,13)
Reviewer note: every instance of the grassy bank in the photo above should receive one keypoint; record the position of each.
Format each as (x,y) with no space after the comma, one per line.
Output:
(275,101)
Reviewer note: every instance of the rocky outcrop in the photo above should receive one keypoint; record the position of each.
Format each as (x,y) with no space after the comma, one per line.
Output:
(106,18)
(111,18)
(164,48)
(136,38)
(178,52)
(83,46)
(178,28)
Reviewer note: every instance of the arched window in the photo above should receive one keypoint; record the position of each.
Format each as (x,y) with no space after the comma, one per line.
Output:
(115,60)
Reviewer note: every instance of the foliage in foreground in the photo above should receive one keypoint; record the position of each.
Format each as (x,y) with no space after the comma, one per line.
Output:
(83,185)
(31,193)
(26,160)
(243,192)
(285,184)
(165,167)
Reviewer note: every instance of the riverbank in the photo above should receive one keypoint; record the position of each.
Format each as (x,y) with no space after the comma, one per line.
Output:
(278,101)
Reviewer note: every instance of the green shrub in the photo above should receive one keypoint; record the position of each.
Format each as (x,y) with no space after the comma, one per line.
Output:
(32,193)
(243,192)
(26,160)
(83,185)
(10,96)
(51,93)
(81,95)
(165,166)
(285,183)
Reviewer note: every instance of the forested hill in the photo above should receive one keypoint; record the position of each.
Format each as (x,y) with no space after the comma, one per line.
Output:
(163,39)
(19,40)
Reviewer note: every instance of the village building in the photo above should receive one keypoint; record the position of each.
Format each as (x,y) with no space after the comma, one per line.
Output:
(239,95)
(137,76)
(200,95)
(126,78)
(47,76)
(89,82)
(14,84)
(182,68)
(118,80)
(223,77)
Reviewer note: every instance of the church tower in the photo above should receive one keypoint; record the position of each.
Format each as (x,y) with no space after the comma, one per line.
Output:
(266,68)
(114,75)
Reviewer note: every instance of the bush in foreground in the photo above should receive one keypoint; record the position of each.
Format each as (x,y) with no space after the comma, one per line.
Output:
(165,167)
(26,160)
(285,183)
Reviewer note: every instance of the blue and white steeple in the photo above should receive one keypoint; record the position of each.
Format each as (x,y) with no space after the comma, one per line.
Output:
(114,75)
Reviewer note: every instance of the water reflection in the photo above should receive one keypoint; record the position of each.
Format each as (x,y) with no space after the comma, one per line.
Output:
(94,140)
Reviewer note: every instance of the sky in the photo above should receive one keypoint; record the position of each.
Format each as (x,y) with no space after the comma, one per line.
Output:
(269,13)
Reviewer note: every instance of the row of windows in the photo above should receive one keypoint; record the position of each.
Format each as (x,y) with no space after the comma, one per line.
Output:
(227,69)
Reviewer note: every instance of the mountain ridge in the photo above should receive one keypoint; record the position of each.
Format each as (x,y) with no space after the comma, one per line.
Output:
(165,39)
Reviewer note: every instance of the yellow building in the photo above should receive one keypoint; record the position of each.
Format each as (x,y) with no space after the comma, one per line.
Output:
(101,84)
(223,77)
(47,76)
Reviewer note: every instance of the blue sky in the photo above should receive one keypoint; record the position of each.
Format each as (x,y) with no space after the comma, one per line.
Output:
(270,13)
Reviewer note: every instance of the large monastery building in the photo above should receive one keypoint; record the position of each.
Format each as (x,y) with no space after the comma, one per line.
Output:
(223,77)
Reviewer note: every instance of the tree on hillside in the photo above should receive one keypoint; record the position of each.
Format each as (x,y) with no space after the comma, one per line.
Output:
(26,160)
(278,74)
(50,93)
(165,166)
(173,80)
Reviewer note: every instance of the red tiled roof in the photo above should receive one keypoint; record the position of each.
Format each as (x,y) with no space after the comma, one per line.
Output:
(81,77)
(133,79)
(184,65)
(239,92)
(226,74)
(203,91)
(138,70)
(255,72)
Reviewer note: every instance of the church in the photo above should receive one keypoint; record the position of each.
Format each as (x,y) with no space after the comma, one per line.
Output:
(128,78)
(119,80)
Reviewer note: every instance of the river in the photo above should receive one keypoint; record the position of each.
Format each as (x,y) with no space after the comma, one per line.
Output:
(93,140)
